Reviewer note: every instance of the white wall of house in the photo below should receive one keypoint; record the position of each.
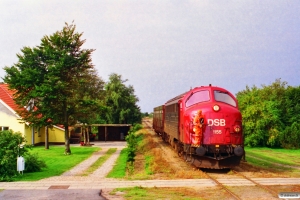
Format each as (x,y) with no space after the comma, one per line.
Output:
(10,119)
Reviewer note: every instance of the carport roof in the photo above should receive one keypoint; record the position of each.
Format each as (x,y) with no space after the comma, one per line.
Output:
(79,125)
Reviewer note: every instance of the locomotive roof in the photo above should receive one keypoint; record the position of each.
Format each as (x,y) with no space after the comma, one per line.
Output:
(175,99)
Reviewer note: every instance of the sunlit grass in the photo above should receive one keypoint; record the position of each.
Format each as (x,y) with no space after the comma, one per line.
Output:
(281,156)
(267,165)
(138,193)
(148,160)
(57,162)
(119,170)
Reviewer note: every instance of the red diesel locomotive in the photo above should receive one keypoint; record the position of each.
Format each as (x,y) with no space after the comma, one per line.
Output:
(204,125)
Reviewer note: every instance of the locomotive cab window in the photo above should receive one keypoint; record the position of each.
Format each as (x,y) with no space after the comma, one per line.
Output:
(224,97)
(197,97)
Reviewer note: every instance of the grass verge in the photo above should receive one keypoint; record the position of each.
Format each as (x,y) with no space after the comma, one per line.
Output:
(183,193)
(99,162)
(57,162)
(267,165)
(119,170)
(280,156)
(148,160)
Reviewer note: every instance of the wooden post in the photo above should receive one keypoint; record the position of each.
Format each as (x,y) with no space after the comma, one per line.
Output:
(46,138)
(105,133)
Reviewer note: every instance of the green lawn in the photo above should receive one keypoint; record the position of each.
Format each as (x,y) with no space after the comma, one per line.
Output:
(281,156)
(137,193)
(119,169)
(57,162)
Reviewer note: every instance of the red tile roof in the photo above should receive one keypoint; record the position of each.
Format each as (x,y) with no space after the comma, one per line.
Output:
(6,95)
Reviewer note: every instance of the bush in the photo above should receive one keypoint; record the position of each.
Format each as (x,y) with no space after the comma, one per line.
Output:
(290,137)
(132,141)
(9,151)
(136,127)
(33,163)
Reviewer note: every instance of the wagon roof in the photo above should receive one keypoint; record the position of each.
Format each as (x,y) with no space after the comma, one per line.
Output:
(177,97)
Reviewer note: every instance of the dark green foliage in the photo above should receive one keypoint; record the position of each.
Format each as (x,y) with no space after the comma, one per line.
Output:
(91,94)
(121,102)
(9,151)
(33,163)
(136,127)
(291,107)
(146,114)
(269,113)
(132,141)
(48,78)
(290,137)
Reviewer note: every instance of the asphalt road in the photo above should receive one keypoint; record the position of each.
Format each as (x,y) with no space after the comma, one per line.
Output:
(55,194)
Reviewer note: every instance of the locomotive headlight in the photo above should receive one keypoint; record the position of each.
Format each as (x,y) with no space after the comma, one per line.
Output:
(237,128)
(216,108)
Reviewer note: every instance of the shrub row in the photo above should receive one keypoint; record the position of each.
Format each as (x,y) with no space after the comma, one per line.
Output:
(271,115)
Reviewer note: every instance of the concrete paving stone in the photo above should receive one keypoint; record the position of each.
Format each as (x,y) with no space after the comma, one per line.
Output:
(236,182)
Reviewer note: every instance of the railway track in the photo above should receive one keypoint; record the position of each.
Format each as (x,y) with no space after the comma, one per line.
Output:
(235,196)
(224,186)
(275,194)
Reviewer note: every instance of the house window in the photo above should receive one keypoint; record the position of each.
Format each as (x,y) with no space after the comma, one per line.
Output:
(4,128)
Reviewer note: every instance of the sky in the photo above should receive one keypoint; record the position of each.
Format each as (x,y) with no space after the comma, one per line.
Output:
(166,47)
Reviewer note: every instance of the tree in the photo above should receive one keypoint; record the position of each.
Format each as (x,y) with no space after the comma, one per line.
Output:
(47,78)
(121,102)
(91,106)
(271,115)
(290,137)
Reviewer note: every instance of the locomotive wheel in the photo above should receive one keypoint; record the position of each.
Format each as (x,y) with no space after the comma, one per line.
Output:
(184,156)
(189,158)
(180,153)
(179,150)
(171,143)
(176,147)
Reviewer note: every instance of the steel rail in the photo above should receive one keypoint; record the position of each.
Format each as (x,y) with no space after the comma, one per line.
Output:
(275,194)
(148,124)
(223,186)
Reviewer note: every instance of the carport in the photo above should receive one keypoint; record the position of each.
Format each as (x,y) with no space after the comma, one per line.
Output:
(112,132)
(106,132)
